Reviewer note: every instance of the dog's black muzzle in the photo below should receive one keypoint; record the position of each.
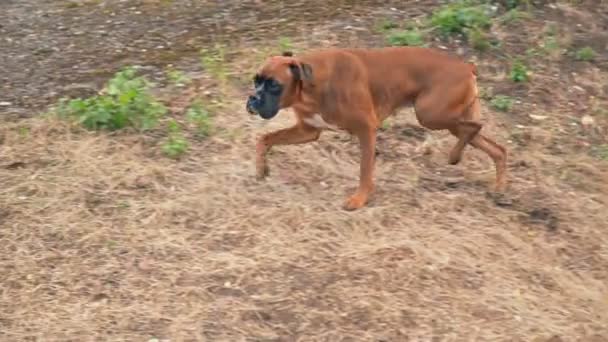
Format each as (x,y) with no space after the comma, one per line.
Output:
(253,104)
(264,106)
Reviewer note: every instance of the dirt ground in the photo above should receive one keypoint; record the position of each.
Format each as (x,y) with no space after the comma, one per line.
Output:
(103,238)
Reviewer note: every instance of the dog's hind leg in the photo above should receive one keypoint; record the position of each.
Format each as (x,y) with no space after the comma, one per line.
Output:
(465,131)
(498,154)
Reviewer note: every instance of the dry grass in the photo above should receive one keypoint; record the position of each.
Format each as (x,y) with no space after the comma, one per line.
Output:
(103,238)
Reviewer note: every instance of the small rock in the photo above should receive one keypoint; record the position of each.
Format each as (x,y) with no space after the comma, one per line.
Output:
(587,120)
(538,117)
(5,103)
(578,88)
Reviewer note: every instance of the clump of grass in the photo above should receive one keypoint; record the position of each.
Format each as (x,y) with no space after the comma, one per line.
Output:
(177,77)
(200,117)
(213,61)
(411,37)
(514,16)
(502,103)
(585,54)
(469,18)
(519,72)
(460,16)
(176,144)
(126,102)
(479,39)
(285,44)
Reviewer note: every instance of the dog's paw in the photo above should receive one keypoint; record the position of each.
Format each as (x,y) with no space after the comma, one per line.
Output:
(454,158)
(354,202)
(500,187)
(262,171)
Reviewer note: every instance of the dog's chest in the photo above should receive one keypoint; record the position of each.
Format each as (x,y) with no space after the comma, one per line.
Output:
(318,122)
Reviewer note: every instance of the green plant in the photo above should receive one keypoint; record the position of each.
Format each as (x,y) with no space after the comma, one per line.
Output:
(514,16)
(177,77)
(285,44)
(200,117)
(585,54)
(519,72)
(550,45)
(385,125)
(176,143)
(461,16)
(479,39)
(23,131)
(405,38)
(502,102)
(214,61)
(126,102)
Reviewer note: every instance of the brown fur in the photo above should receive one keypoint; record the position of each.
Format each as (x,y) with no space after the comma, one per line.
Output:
(356,89)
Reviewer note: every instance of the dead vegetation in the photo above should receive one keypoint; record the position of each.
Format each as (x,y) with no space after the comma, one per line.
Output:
(104,237)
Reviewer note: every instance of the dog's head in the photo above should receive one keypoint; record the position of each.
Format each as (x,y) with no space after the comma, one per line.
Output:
(276,85)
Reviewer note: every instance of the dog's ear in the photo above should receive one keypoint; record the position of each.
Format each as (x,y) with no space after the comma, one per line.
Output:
(301,71)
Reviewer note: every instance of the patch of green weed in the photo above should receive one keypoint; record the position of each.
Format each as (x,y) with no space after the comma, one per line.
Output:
(513,16)
(502,103)
(410,37)
(519,72)
(126,102)
(461,16)
(200,117)
(285,44)
(177,77)
(213,61)
(176,144)
(585,54)
(479,39)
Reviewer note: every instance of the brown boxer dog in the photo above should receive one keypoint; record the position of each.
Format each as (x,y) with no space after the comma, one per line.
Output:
(356,89)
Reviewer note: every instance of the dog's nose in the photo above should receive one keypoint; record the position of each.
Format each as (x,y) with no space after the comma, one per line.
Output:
(251,104)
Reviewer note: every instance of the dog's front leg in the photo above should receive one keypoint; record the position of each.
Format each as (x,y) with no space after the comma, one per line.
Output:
(297,134)
(367,144)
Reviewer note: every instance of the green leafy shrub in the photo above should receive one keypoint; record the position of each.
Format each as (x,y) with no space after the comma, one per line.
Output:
(461,16)
(405,38)
(502,102)
(479,39)
(514,16)
(213,61)
(285,44)
(176,144)
(585,54)
(126,102)
(519,72)
(200,117)
(178,78)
